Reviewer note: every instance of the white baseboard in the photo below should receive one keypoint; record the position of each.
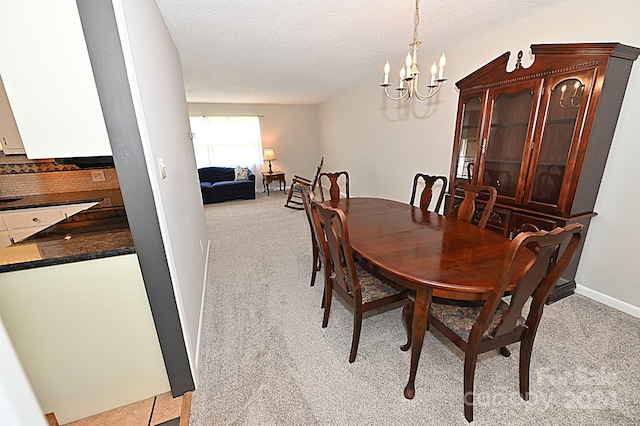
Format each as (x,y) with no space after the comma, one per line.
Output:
(609,301)
(204,291)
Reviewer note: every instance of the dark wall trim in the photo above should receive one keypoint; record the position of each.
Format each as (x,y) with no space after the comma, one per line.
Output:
(109,70)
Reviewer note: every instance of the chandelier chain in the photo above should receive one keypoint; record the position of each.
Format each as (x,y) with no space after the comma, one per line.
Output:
(417,21)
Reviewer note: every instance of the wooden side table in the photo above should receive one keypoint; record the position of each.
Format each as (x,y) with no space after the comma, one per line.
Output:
(267,178)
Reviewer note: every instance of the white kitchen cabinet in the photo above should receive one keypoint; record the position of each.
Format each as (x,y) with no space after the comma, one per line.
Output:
(9,135)
(49,80)
(23,223)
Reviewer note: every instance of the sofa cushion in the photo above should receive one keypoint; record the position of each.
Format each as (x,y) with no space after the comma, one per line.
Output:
(216,174)
(206,185)
(228,183)
(241,173)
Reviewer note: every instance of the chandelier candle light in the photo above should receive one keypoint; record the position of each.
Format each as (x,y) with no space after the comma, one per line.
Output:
(410,72)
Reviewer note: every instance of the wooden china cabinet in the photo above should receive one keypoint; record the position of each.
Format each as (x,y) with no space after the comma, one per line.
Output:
(541,135)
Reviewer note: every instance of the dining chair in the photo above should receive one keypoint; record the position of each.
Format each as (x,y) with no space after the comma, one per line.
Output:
(499,321)
(466,211)
(334,188)
(319,252)
(427,191)
(359,287)
(294,196)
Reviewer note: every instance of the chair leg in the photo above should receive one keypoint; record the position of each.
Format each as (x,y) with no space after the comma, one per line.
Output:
(324,291)
(505,352)
(289,195)
(357,326)
(407,319)
(470,360)
(316,265)
(298,204)
(328,289)
(526,346)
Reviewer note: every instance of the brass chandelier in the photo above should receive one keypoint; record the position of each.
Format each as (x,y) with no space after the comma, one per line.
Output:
(409,73)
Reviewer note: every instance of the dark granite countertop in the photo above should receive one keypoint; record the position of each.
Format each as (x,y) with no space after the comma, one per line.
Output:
(71,240)
(85,246)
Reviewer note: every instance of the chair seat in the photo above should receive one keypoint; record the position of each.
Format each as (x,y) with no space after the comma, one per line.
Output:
(459,316)
(374,288)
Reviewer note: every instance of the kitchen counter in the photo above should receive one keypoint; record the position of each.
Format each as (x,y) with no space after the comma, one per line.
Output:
(108,198)
(92,234)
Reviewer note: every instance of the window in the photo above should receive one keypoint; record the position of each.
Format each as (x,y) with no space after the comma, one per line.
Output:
(227,141)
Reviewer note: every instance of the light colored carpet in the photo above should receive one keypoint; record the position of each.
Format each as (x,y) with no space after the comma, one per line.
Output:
(266,360)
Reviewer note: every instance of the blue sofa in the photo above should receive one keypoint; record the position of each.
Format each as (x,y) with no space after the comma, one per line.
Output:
(218,184)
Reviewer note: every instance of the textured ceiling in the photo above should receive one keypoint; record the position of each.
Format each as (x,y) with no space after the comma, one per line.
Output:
(305,51)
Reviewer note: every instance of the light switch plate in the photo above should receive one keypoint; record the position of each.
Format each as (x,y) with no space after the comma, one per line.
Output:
(163,168)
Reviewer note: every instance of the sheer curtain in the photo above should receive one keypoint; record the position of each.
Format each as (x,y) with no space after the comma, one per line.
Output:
(227,141)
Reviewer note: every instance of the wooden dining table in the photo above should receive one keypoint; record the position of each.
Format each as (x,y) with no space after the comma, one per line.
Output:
(431,254)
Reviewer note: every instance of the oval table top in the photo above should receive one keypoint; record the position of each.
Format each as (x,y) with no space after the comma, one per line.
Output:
(456,259)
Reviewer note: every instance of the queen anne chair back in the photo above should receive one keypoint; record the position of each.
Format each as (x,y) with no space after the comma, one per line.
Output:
(334,185)
(477,328)
(467,210)
(427,192)
(360,288)
(318,241)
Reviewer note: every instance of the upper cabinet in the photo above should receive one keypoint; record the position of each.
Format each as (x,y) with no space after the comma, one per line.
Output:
(10,140)
(541,135)
(49,80)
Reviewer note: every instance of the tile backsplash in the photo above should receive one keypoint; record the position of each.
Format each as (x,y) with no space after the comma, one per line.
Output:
(19,178)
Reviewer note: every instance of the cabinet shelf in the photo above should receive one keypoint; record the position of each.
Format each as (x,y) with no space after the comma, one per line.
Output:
(488,160)
(510,124)
(561,121)
(536,187)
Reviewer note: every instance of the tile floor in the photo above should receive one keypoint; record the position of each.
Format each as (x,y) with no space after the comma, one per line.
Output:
(162,410)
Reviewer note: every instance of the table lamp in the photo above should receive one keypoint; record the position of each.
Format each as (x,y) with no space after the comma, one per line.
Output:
(269,155)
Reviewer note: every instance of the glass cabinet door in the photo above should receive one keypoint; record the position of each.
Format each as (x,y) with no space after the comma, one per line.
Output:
(505,146)
(468,137)
(565,101)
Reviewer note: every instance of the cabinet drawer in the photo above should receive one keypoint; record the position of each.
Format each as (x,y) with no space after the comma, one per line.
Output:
(526,223)
(32,218)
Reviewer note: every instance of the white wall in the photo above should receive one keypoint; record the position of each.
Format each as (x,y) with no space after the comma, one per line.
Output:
(84,334)
(291,130)
(383,144)
(18,404)
(155,77)
(47,75)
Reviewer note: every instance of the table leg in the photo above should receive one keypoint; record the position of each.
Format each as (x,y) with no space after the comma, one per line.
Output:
(419,326)
(265,183)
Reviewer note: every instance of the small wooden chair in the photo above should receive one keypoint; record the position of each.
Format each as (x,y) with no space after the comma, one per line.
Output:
(427,191)
(478,328)
(318,242)
(466,211)
(357,286)
(294,197)
(334,188)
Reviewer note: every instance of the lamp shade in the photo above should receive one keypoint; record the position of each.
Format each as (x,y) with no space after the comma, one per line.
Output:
(269,154)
